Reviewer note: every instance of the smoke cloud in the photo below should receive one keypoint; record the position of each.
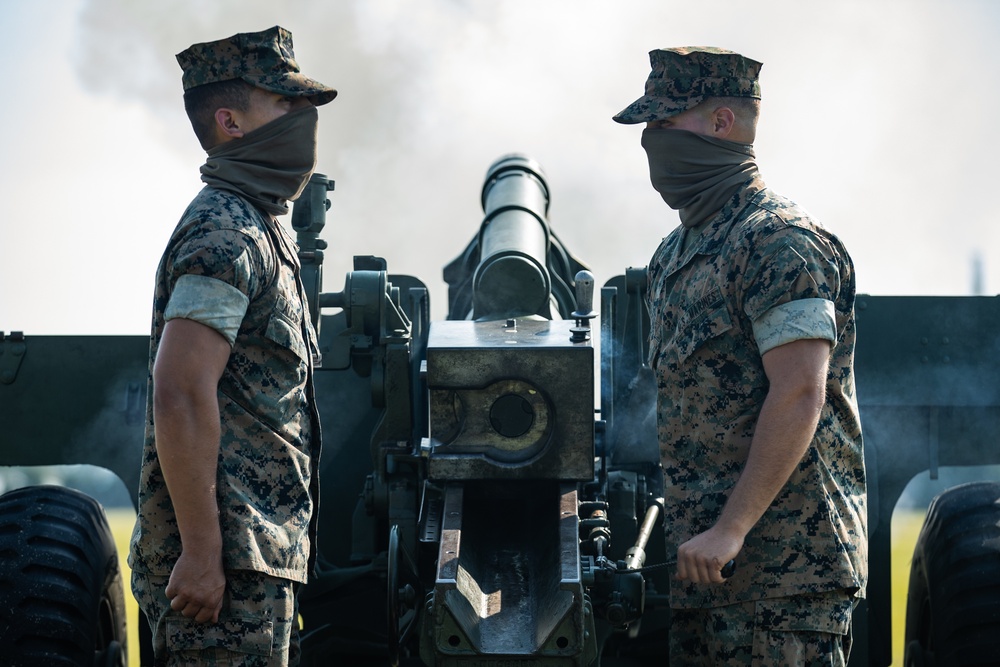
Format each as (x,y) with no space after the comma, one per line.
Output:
(867,121)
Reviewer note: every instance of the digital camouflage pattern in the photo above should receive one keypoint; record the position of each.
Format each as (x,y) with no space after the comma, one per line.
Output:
(269,448)
(683,77)
(759,252)
(803,630)
(264,59)
(258,624)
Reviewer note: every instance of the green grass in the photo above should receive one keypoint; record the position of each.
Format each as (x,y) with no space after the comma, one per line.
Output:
(905,528)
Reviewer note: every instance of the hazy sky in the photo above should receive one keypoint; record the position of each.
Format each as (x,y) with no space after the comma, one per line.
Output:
(877,117)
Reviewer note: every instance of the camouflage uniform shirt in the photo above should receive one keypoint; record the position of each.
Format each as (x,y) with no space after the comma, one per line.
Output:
(760,252)
(224,250)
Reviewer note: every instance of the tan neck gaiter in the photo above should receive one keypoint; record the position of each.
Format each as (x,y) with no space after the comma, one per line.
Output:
(271,165)
(696,175)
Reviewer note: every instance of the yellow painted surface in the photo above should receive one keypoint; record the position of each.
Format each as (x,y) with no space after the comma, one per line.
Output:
(121,521)
(905,529)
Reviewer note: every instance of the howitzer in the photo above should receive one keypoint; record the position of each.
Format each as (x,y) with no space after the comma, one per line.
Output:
(490,527)
(476,510)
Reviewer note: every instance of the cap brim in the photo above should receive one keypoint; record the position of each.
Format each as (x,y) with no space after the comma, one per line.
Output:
(298,85)
(649,108)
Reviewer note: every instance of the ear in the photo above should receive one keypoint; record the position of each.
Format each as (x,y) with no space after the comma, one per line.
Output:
(227,124)
(723,122)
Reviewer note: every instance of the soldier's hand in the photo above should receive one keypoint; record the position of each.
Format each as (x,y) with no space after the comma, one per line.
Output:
(196,586)
(701,559)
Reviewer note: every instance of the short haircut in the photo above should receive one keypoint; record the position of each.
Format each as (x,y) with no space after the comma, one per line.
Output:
(201,103)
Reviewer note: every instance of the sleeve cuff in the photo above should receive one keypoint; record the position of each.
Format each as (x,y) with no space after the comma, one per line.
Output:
(208,301)
(795,320)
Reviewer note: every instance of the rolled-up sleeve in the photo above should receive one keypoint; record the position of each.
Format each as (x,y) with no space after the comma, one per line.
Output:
(795,320)
(209,301)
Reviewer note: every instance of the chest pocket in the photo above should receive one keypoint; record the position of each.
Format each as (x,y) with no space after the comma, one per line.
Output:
(705,319)
(285,327)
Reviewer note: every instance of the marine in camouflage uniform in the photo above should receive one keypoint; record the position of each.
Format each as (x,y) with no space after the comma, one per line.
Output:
(748,297)
(230,311)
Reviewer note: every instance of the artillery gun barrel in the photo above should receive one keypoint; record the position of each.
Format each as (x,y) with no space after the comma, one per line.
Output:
(512,278)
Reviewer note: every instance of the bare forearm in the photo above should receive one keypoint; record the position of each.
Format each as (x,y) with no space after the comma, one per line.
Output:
(785,428)
(187,443)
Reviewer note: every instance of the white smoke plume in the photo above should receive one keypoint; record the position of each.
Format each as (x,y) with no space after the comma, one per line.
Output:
(873,119)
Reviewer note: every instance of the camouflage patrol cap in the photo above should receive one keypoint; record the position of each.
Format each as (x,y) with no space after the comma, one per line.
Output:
(264,59)
(683,77)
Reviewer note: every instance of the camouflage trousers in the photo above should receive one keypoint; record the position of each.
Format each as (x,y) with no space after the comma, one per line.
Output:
(258,624)
(808,630)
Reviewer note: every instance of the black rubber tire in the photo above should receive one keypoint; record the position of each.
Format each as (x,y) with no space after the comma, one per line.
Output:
(953,602)
(61,595)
